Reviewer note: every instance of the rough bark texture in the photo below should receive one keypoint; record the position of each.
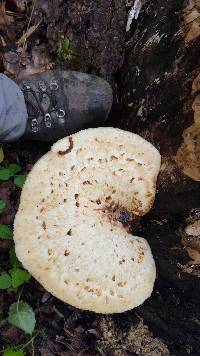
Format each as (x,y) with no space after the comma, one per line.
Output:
(94,28)
(156,102)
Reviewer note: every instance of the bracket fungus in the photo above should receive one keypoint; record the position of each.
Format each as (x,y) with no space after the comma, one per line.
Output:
(69,231)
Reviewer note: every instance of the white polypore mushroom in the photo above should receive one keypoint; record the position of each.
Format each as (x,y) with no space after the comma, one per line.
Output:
(68,233)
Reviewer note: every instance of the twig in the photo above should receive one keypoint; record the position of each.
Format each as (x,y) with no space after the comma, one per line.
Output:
(28,33)
(25,39)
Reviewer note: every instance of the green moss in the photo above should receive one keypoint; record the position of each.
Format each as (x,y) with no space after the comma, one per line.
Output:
(65,51)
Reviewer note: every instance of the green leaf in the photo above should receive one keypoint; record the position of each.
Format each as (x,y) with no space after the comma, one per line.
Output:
(2,205)
(4,174)
(5,280)
(1,155)
(19,181)
(19,277)
(14,262)
(6,232)
(10,351)
(14,168)
(22,316)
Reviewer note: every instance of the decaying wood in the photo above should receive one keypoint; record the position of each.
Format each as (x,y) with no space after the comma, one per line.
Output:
(159,87)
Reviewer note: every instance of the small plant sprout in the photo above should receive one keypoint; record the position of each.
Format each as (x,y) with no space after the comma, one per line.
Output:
(65,51)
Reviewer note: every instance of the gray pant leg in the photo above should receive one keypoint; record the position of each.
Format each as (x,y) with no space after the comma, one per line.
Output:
(13,113)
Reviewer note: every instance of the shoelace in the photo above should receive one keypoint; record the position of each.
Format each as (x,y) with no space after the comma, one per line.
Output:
(35,111)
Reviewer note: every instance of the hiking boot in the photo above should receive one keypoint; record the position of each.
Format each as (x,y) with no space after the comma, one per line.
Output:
(60,103)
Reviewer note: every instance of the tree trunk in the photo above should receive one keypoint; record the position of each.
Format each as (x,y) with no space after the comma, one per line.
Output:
(159,100)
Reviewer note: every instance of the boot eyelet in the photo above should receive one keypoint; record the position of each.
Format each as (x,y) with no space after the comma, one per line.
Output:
(26,86)
(34,125)
(54,85)
(61,116)
(47,120)
(42,86)
(60,113)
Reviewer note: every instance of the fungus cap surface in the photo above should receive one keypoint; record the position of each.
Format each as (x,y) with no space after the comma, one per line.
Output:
(68,233)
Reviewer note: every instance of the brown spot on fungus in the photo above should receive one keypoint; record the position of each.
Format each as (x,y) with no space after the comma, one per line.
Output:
(44,225)
(108,198)
(120,284)
(122,261)
(66,253)
(69,232)
(113,278)
(88,289)
(97,292)
(69,149)
(113,158)
(96,139)
(87,182)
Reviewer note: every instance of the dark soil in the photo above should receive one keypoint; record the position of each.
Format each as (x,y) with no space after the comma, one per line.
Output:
(152,81)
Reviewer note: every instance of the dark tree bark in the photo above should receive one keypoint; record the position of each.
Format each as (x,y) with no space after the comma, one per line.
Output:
(96,30)
(156,96)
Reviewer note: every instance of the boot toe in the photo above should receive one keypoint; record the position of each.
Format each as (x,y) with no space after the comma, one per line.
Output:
(101,100)
(89,100)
